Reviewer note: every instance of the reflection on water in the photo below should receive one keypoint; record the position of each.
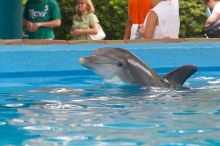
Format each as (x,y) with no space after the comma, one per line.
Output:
(78,111)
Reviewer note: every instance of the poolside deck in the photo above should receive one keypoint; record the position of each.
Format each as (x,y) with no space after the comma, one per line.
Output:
(26,41)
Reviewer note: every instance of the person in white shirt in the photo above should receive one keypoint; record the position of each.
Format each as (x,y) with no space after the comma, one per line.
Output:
(162,21)
(215,15)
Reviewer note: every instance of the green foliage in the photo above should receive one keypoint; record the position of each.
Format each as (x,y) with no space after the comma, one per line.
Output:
(67,8)
(192,15)
(113,16)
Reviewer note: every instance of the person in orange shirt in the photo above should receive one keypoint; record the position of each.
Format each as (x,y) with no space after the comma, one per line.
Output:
(137,11)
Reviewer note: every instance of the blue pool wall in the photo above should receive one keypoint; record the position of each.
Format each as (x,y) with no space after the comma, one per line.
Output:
(65,57)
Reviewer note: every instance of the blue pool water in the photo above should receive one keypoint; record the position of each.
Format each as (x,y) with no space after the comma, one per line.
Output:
(59,103)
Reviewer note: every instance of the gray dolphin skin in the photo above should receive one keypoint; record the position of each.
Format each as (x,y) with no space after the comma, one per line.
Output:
(120,65)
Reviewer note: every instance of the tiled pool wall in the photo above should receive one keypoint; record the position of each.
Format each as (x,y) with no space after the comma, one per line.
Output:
(24,59)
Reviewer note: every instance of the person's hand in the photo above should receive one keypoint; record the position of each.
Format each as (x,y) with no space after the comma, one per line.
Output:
(35,26)
(29,25)
(141,29)
(76,32)
(32,27)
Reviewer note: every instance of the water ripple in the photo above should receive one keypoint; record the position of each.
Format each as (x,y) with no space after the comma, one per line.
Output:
(60,106)
(214,82)
(2,123)
(37,128)
(17,120)
(189,131)
(189,112)
(14,105)
(217,112)
(181,144)
(131,125)
(205,78)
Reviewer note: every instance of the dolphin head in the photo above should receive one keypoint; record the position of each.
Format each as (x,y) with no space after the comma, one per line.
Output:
(118,65)
(109,63)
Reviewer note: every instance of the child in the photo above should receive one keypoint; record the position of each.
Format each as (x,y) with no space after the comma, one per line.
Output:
(85,22)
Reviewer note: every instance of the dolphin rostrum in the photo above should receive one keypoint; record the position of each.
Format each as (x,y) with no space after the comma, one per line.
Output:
(120,65)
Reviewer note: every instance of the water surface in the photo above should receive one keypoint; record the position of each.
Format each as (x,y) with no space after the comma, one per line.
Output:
(81,110)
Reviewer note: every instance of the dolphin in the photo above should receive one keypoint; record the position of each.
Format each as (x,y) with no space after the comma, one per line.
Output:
(120,65)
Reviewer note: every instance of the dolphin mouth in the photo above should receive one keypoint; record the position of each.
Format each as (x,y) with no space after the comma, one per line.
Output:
(89,62)
(86,62)
(82,60)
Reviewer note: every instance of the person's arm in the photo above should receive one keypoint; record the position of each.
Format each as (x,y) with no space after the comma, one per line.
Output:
(34,26)
(152,22)
(51,24)
(92,30)
(212,19)
(127,31)
(26,23)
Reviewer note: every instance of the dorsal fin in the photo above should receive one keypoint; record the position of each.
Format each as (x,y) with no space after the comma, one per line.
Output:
(180,75)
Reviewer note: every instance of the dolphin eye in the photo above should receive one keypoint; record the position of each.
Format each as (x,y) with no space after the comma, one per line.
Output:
(120,64)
